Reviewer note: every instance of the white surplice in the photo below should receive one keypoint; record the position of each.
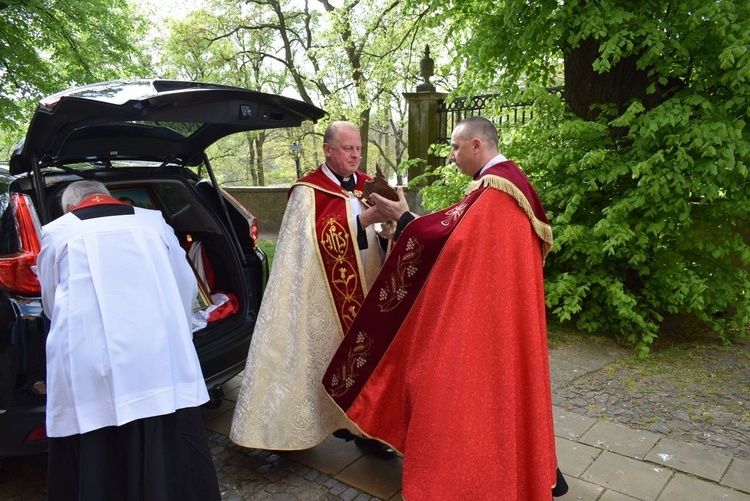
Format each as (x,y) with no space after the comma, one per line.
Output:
(119,292)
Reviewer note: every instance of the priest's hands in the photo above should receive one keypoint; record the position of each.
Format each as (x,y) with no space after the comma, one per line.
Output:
(388,208)
(372,215)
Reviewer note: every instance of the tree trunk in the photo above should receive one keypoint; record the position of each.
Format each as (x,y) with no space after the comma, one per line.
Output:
(364,131)
(260,139)
(251,161)
(586,88)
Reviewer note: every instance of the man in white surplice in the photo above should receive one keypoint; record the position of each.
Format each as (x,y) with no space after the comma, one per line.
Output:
(124,382)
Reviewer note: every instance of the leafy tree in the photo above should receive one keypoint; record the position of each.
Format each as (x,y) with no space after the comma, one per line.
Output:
(49,46)
(369,47)
(353,59)
(192,51)
(642,163)
(347,58)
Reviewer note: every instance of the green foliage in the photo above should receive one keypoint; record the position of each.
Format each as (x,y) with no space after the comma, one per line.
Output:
(645,227)
(444,186)
(269,247)
(440,186)
(351,59)
(49,46)
(649,200)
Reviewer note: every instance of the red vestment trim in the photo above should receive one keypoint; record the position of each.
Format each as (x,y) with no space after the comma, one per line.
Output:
(397,288)
(319,181)
(416,257)
(337,243)
(447,359)
(510,171)
(93,200)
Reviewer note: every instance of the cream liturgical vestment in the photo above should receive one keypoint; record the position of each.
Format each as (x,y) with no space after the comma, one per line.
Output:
(146,364)
(282,405)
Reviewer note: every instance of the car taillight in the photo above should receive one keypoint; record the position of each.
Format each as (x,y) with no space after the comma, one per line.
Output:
(254,230)
(38,433)
(18,270)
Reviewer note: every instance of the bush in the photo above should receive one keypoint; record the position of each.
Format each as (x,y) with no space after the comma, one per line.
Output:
(645,226)
(643,169)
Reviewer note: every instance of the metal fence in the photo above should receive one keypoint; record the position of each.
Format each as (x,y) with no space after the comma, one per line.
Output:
(450,113)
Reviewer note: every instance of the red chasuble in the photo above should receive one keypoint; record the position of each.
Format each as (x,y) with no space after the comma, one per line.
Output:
(337,242)
(447,360)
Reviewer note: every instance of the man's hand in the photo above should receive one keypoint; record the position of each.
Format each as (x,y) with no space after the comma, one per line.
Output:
(372,215)
(388,208)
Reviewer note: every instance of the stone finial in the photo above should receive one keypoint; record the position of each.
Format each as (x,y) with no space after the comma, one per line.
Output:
(426,70)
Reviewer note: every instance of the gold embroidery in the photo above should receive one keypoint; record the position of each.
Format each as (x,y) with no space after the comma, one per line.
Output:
(344,279)
(345,376)
(334,239)
(453,214)
(395,288)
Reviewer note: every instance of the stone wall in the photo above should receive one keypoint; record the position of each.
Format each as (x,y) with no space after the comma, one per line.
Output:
(267,204)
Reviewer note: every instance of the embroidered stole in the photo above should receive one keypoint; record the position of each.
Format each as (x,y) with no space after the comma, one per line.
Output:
(337,243)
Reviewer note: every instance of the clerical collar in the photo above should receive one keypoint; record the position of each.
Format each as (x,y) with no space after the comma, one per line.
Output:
(493,161)
(347,183)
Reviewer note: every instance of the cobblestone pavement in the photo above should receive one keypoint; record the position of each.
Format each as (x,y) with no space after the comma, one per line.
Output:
(702,398)
(252,474)
(22,478)
(700,395)
(244,475)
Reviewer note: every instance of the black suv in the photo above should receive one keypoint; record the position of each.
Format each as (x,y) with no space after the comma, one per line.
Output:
(145,140)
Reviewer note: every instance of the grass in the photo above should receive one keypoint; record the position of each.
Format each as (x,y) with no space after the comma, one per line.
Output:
(711,367)
(559,336)
(269,247)
(688,362)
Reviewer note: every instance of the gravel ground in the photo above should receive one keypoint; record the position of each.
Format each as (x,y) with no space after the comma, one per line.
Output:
(697,392)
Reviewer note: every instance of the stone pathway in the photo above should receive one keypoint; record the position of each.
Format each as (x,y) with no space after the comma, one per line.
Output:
(667,429)
(252,474)
(707,403)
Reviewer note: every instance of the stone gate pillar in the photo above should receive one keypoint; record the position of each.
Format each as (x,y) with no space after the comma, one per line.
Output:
(423,117)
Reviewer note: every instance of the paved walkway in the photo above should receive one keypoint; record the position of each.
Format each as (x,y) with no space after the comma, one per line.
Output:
(606,461)
(602,460)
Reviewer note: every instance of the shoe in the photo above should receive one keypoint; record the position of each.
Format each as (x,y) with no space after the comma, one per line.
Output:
(375,447)
(561,487)
(344,434)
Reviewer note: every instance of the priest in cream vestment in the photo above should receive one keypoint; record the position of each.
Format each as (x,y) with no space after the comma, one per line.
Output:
(327,253)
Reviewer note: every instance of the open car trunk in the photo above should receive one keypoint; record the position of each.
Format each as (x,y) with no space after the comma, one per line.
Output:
(146,140)
(220,229)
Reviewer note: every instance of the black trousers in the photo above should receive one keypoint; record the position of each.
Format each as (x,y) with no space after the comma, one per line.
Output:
(162,458)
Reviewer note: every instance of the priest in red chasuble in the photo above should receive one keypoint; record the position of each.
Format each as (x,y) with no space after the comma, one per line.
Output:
(447,360)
